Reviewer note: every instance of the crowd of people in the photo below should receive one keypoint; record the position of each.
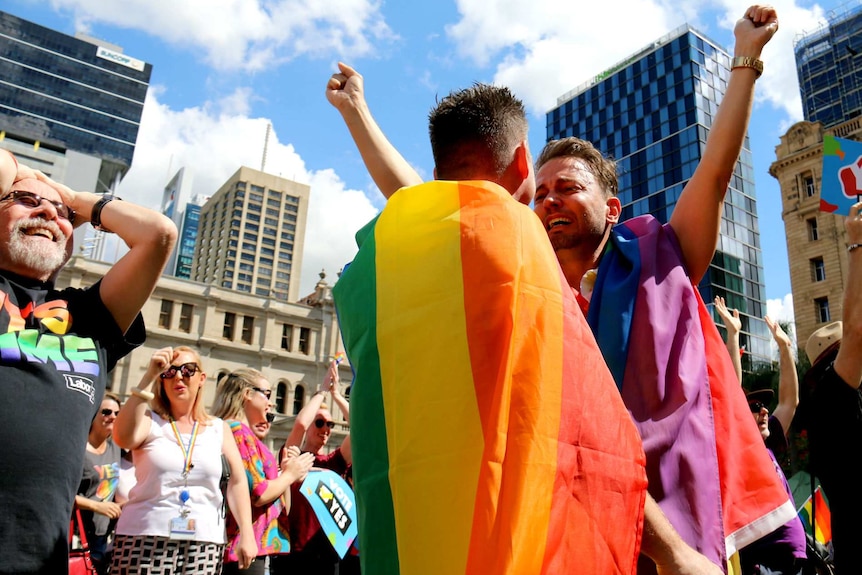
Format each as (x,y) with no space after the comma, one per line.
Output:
(535,390)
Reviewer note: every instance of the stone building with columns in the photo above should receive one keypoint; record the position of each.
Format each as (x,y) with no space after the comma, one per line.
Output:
(290,343)
(816,241)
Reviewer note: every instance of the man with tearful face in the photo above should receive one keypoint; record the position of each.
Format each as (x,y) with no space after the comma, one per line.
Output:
(56,348)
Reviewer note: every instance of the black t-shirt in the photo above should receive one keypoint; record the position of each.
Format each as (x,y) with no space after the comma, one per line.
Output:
(835,437)
(56,348)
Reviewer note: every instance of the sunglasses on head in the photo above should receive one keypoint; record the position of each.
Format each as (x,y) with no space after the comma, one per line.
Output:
(33,201)
(756,406)
(186,370)
(266,392)
(107,412)
(319,423)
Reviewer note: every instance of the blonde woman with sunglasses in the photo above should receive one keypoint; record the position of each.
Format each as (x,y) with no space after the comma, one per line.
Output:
(172,522)
(310,550)
(243,401)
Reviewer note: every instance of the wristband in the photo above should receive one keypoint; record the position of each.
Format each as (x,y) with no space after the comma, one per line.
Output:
(143,394)
(747,62)
(852,247)
(96,214)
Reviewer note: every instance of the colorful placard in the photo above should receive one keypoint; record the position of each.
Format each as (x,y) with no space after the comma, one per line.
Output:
(841,186)
(334,505)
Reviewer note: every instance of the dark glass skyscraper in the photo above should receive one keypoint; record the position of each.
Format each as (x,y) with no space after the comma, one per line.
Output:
(64,93)
(829,65)
(652,113)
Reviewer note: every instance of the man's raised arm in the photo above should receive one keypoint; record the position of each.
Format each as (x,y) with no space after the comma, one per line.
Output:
(848,363)
(697,215)
(388,168)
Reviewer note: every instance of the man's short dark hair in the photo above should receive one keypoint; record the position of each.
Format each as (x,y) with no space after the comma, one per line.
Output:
(473,132)
(603,168)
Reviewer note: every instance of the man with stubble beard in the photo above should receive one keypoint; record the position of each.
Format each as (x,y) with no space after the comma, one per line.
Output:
(56,348)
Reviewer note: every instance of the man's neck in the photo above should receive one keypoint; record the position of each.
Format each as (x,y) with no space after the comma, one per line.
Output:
(575,263)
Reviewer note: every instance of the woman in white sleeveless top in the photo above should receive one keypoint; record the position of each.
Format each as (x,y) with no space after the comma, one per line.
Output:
(172,522)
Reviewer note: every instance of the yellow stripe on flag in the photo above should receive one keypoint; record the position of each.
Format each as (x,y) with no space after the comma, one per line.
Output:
(427,379)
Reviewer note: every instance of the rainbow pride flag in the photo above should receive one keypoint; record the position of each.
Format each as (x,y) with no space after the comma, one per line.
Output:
(487,433)
(822,517)
(708,468)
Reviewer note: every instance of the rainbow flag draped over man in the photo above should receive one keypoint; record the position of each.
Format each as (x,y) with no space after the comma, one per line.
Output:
(487,434)
(707,465)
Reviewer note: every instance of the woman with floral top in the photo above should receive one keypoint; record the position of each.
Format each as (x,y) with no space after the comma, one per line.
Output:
(243,400)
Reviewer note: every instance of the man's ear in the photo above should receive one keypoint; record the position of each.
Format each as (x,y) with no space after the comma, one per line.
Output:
(435,172)
(615,209)
(523,160)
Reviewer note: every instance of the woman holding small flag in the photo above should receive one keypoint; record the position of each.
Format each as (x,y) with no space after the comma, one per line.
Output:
(172,522)
(243,401)
(311,550)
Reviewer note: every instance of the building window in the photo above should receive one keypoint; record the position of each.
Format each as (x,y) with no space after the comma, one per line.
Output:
(304,336)
(298,398)
(247,328)
(186,312)
(281,397)
(166,314)
(812,229)
(808,185)
(286,335)
(818,270)
(822,306)
(229,323)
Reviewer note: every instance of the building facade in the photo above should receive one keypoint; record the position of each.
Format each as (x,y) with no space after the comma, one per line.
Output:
(59,93)
(829,67)
(816,241)
(251,235)
(652,113)
(290,343)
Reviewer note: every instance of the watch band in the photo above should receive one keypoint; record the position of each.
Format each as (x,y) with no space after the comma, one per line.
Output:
(747,62)
(96,214)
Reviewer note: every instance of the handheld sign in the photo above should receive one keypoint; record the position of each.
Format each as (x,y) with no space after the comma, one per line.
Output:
(841,185)
(334,505)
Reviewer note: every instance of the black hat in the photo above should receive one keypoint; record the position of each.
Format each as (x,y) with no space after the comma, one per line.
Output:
(764,396)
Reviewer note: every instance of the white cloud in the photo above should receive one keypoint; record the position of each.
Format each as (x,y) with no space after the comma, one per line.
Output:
(547,48)
(214,140)
(246,34)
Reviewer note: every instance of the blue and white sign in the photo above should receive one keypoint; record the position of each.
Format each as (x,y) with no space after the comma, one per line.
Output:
(334,505)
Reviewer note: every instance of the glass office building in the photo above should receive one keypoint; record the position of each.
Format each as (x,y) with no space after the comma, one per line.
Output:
(652,113)
(186,241)
(829,64)
(65,93)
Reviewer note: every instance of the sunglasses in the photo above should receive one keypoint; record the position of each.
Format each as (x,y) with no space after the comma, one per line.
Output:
(756,406)
(33,201)
(319,423)
(266,392)
(107,412)
(186,370)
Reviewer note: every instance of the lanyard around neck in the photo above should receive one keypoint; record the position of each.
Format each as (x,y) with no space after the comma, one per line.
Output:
(187,451)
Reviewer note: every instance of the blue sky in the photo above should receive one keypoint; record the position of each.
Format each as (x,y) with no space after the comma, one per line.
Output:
(224,69)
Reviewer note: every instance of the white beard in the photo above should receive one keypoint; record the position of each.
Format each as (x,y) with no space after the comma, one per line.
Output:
(43,257)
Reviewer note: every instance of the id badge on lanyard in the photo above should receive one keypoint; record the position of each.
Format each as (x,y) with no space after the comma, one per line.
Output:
(182,527)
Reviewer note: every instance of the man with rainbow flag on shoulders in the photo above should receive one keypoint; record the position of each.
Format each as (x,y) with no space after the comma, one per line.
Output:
(478,445)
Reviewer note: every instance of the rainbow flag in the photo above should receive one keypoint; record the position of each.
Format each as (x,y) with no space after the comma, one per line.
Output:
(487,434)
(822,517)
(708,468)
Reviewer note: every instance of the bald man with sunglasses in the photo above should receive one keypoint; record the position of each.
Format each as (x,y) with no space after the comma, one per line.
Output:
(56,348)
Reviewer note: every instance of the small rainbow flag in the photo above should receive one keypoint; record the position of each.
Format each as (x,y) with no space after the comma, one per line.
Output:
(340,357)
(822,517)
(487,433)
